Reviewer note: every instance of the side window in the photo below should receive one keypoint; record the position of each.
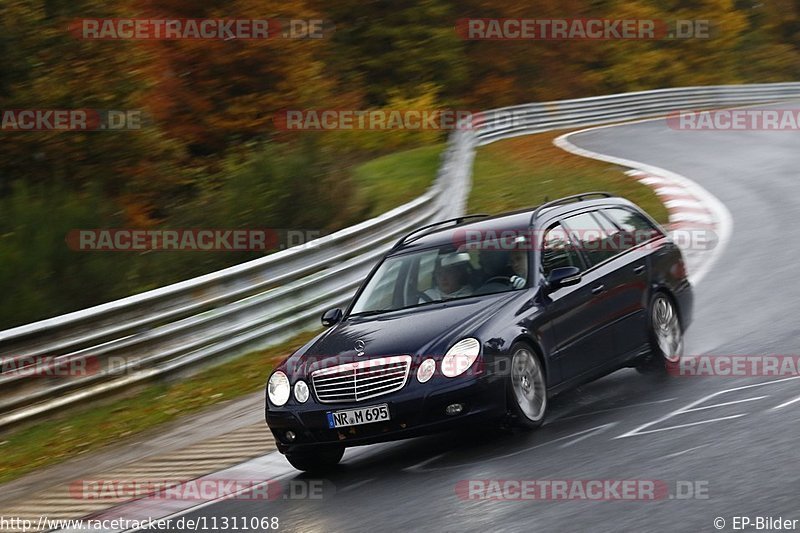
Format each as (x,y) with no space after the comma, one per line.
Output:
(636,229)
(596,242)
(557,250)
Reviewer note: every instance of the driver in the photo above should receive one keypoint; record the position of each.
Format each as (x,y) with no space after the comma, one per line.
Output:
(451,278)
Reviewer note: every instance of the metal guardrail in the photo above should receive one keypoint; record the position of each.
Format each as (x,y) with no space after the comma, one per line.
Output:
(260,303)
(525,119)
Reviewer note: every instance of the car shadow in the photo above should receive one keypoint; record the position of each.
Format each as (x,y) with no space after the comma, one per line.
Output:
(570,412)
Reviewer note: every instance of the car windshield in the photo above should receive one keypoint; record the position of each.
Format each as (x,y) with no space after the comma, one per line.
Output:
(445,273)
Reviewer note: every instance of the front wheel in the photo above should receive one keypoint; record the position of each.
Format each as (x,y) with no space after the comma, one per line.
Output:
(666,336)
(311,460)
(528,388)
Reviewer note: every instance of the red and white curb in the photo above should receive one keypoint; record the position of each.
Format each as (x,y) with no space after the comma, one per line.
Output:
(691,207)
(688,216)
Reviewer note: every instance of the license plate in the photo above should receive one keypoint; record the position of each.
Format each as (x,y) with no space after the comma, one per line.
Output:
(355,417)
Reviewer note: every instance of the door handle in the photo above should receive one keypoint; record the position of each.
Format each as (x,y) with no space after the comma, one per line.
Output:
(639,269)
(598,289)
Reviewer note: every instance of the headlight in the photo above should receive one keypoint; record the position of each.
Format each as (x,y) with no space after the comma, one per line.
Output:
(278,388)
(301,391)
(460,357)
(426,370)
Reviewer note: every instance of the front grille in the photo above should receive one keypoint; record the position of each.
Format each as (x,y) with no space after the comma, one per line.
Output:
(361,380)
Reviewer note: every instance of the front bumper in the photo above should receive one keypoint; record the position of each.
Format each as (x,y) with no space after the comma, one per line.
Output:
(417,409)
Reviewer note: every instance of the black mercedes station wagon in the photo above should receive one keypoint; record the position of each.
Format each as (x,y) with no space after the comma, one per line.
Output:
(482,319)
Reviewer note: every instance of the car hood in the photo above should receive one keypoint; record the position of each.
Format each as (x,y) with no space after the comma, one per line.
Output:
(424,330)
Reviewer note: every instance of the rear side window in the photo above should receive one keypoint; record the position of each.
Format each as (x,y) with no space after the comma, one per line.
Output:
(636,228)
(557,251)
(598,243)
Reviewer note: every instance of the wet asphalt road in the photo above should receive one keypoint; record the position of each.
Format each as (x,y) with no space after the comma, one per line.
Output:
(744,453)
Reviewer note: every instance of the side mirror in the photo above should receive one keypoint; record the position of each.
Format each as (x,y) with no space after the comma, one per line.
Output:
(331,317)
(563,277)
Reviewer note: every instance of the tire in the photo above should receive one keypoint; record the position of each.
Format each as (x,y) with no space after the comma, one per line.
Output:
(311,460)
(527,387)
(665,335)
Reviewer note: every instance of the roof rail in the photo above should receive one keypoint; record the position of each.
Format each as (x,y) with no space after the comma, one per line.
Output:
(456,221)
(568,199)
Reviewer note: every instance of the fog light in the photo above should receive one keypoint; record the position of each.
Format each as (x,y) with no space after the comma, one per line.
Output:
(426,370)
(290,436)
(454,409)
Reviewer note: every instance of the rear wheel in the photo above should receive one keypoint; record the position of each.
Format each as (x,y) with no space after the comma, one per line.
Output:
(311,460)
(528,388)
(666,336)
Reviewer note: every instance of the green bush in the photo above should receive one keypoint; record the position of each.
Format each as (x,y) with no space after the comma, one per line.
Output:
(281,187)
(39,275)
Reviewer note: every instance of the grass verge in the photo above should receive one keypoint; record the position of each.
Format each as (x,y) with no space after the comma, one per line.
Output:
(523,171)
(85,429)
(392,180)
